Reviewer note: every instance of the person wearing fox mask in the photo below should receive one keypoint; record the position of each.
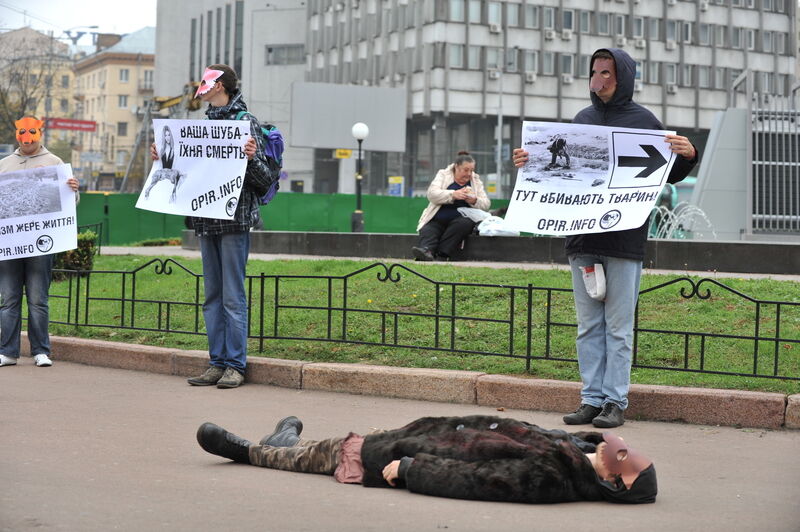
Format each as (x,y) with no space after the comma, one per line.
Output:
(31,273)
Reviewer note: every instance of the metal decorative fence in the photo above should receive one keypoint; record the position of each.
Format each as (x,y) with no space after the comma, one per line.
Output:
(679,325)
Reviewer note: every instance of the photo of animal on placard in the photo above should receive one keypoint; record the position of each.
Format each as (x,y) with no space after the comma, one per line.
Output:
(558,155)
(29,192)
(166,173)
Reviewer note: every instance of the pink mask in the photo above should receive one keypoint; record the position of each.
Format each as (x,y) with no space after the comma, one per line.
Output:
(620,459)
(210,78)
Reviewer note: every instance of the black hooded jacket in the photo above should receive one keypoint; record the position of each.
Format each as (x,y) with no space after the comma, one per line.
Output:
(621,111)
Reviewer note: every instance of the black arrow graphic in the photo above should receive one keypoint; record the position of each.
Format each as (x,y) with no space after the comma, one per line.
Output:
(652,162)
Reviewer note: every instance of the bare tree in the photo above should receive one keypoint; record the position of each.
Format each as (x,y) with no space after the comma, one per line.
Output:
(28,62)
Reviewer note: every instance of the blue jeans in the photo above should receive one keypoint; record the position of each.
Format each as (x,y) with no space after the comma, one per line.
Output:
(605,329)
(225,308)
(34,274)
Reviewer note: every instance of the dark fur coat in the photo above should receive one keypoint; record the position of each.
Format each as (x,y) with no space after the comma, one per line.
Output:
(487,458)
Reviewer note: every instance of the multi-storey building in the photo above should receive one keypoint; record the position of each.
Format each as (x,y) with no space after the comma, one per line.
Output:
(469,65)
(111,88)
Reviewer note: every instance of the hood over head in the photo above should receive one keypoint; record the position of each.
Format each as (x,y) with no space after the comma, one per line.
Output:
(626,74)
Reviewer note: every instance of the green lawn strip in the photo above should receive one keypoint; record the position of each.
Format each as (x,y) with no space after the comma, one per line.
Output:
(412,299)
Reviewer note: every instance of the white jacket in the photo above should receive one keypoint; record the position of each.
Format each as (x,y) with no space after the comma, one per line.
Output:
(439,195)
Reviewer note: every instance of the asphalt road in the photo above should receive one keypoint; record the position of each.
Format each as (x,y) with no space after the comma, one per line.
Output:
(87,448)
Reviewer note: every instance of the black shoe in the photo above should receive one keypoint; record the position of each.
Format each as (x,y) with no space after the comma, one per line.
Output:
(610,417)
(422,254)
(286,434)
(216,440)
(583,415)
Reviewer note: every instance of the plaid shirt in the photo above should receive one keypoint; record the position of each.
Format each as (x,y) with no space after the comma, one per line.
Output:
(258,176)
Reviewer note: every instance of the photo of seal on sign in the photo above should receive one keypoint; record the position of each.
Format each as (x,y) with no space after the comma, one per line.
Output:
(587,179)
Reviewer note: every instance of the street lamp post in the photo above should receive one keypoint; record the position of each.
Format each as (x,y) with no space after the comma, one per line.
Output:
(360,131)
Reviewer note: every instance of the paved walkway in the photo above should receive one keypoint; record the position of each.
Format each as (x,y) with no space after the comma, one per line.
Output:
(96,449)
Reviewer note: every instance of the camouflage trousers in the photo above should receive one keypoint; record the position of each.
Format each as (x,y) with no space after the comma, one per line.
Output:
(307,456)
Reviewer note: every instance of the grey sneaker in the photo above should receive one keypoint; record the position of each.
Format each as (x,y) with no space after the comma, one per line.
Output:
(211,376)
(582,416)
(7,360)
(610,417)
(231,379)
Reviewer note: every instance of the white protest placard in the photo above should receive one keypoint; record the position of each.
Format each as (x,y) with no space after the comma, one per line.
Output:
(587,179)
(200,170)
(37,212)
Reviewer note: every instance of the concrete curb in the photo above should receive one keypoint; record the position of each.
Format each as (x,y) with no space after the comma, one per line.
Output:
(656,403)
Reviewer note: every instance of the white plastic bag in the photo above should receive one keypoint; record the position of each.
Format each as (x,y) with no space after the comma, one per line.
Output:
(476,215)
(495,226)
(594,278)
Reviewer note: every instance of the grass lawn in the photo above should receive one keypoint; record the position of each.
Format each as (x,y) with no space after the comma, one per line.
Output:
(492,318)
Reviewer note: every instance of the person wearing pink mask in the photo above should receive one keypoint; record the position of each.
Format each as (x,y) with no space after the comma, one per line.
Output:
(605,328)
(468,457)
(31,273)
(225,244)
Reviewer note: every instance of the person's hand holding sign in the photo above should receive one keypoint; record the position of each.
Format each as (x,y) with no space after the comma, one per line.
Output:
(250,148)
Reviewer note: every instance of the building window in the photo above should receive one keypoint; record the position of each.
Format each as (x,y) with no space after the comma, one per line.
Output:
(603,24)
(766,83)
(548,63)
(751,38)
(686,75)
(511,60)
(670,73)
(719,38)
(64,105)
(766,41)
(65,82)
(124,75)
(619,24)
(736,37)
(495,13)
(548,18)
(687,32)
(780,37)
(568,19)
(531,61)
(512,14)
(719,78)
(475,11)
(122,101)
(654,29)
(583,65)
(639,70)
(531,16)
(567,64)
(704,36)
(286,54)
(122,157)
(638,27)
(703,76)
(653,72)
(585,22)
(457,10)
(122,129)
(456,58)
(493,58)
(671,30)
(474,57)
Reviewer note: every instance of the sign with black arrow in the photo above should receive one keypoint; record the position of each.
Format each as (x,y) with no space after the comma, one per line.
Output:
(639,159)
(581,178)
(651,163)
